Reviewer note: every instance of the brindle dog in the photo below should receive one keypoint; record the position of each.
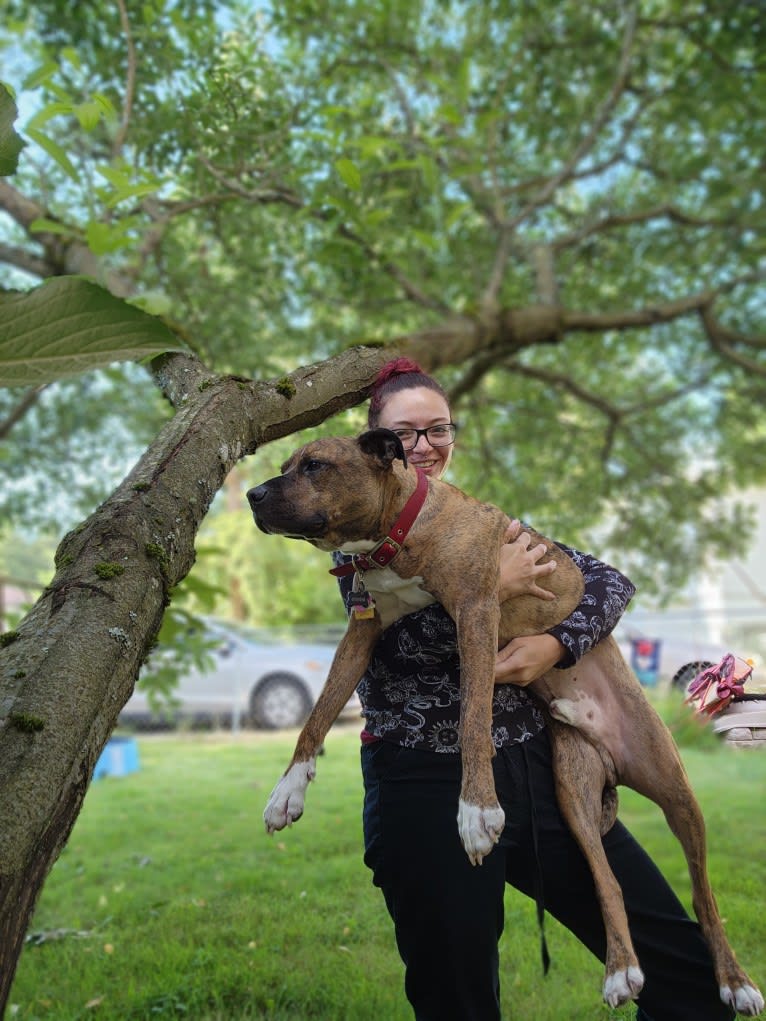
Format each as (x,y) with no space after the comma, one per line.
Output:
(346,493)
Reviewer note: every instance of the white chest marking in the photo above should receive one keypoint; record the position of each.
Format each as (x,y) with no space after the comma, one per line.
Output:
(394,596)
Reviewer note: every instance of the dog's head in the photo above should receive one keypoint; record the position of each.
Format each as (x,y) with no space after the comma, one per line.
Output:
(331,491)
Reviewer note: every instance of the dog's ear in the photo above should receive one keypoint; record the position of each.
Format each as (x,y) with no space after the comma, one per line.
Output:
(384,445)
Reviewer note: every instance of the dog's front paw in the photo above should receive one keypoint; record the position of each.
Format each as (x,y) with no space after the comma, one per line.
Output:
(480,829)
(285,805)
(622,986)
(746,1000)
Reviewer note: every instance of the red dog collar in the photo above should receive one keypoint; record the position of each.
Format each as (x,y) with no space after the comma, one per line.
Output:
(384,552)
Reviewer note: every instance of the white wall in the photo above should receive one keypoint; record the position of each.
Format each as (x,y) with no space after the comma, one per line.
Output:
(726,605)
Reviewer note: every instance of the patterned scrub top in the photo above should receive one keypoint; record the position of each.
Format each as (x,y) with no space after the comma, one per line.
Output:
(410,693)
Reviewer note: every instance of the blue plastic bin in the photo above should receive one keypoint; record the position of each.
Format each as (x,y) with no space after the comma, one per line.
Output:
(645,659)
(119,757)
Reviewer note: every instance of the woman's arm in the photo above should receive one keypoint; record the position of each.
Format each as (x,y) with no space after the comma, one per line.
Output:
(606,596)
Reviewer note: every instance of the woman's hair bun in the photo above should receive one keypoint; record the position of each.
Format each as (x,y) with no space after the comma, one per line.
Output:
(396,367)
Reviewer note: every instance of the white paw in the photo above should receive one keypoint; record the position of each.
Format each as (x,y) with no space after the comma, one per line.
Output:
(286,802)
(746,1000)
(480,829)
(622,986)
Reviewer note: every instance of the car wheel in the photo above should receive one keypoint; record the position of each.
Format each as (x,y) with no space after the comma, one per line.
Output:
(683,677)
(280,700)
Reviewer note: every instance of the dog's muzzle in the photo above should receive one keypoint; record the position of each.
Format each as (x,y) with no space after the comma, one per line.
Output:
(275,516)
(258,498)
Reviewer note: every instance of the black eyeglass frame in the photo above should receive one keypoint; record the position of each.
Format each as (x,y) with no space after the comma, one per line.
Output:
(452,426)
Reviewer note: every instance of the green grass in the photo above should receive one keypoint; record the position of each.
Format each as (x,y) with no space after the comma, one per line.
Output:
(171,902)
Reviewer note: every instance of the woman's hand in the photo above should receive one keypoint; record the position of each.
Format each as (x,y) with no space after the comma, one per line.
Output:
(519,567)
(525,659)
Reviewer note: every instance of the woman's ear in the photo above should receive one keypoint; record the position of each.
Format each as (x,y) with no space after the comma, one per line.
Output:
(383,445)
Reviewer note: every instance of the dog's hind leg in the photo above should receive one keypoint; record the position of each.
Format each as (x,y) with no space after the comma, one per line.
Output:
(581,778)
(285,804)
(659,775)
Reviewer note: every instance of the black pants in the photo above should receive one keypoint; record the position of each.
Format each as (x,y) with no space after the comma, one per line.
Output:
(448,914)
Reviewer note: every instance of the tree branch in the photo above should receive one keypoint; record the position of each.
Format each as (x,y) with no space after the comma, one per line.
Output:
(130,82)
(725,341)
(611,411)
(62,254)
(257,195)
(26,261)
(27,400)
(686,28)
(18,206)
(660,212)
(596,322)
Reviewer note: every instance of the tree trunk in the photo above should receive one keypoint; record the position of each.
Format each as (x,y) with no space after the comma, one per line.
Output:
(67,671)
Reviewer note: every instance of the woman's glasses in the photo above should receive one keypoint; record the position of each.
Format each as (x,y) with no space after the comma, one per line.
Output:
(437,435)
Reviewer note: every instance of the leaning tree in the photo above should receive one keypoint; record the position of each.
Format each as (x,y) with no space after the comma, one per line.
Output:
(556,205)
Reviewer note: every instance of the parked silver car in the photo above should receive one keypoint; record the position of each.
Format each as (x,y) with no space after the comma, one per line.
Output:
(256,679)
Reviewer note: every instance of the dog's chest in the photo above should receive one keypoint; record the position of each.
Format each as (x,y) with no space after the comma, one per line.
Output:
(394,596)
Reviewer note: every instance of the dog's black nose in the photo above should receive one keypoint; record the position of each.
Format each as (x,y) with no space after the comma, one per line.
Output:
(256,495)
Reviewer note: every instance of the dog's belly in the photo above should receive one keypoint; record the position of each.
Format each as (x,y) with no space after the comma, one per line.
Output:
(602,698)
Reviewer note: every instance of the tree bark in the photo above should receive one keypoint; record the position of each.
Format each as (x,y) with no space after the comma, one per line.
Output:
(72,664)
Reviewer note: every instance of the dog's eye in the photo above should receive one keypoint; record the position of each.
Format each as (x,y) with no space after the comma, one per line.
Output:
(312,465)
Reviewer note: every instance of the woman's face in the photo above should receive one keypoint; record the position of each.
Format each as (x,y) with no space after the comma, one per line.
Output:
(419,408)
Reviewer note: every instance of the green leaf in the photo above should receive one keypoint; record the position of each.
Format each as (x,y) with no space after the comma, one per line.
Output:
(430,172)
(88,114)
(205,592)
(132,192)
(463,80)
(349,173)
(107,106)
(413,164)
(68,326)
(70,54)
(117,177)
(374,145)
(102,238)
(10,143)
(47,112)
(55,152)
(456,214)
(43,225)
(450,113)
(40,74)
(156,303)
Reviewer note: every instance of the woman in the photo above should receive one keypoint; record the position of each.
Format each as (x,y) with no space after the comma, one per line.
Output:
(447,914)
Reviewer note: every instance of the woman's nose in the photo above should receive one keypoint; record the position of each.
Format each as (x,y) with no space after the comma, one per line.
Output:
(422,445)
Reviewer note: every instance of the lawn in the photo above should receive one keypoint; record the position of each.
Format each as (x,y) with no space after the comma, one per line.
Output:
(171,902)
